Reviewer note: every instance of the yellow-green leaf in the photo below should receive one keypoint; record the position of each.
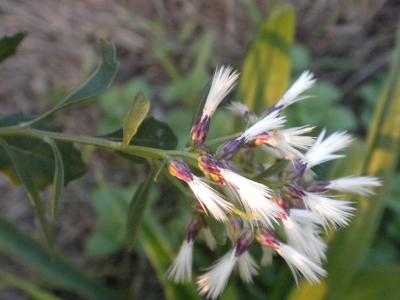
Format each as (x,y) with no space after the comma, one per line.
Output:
(136,114)
(266,71)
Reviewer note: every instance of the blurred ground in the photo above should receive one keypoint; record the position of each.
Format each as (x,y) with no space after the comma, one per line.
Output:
(60,50)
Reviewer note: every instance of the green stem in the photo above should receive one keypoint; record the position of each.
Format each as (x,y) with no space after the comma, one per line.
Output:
(145,152)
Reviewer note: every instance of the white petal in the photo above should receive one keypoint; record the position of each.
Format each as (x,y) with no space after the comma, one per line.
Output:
(294,137)
(269,122)
(353,184)
(255,197)
(223,82)
(323,150)
(303,83)
(210,200)
(247,267)
(213,283)
(298,263)
(303,234)
(181,269)
(335,212)
(241,110)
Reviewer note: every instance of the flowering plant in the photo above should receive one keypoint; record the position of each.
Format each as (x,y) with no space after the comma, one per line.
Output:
(254,206)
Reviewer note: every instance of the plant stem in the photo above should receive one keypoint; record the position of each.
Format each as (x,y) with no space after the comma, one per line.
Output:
(145,152)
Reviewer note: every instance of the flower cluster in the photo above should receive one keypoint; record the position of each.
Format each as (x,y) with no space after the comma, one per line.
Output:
(252,208)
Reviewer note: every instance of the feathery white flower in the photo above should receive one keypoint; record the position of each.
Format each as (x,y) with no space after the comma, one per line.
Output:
(269,122)
(303,83)
(241,110)
(209,238)
(267,256)
(213,283)
(323,150)
(209,199)
(223,82)
(299,264)
(303,235)
(286,142)
(354,184)
(255,197)
(247,267)
(181,269)
(335,212)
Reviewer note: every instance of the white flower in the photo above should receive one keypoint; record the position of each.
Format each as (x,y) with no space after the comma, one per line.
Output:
(241,110)
(303,83)
(334,212)
(209,199)
(286,142)
(267,123)
(247,267)
(353,184)
(303,234)
(298,263)
(223,82)
(255,197)
(181,269)
(323,150)
(215,280)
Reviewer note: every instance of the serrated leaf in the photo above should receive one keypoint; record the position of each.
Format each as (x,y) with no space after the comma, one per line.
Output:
(9,44)
(350,247)
(56,271)
(59,178)
(37,156)
(25,176)
(137,208)
(266,71)
(136,114)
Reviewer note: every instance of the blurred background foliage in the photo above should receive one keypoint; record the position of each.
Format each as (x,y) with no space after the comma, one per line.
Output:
(167,51)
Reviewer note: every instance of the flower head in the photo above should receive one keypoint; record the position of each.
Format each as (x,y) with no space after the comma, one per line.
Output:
(354,184)
(223,82)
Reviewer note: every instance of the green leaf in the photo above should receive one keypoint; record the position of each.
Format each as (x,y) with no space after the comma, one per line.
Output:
(59,178)
(25,177)
(30,289)
(159,252)
(56,271)
(151,133)
(9,44)
(97,83)
(136,114)
(37,156)
(137,208)
(266,71)
(350,247)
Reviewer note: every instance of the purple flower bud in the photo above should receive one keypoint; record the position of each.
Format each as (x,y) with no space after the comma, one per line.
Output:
(230,148)
(319,187)
(268,239)
(200,129)
(181,170)
(243,243)
(193,229)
